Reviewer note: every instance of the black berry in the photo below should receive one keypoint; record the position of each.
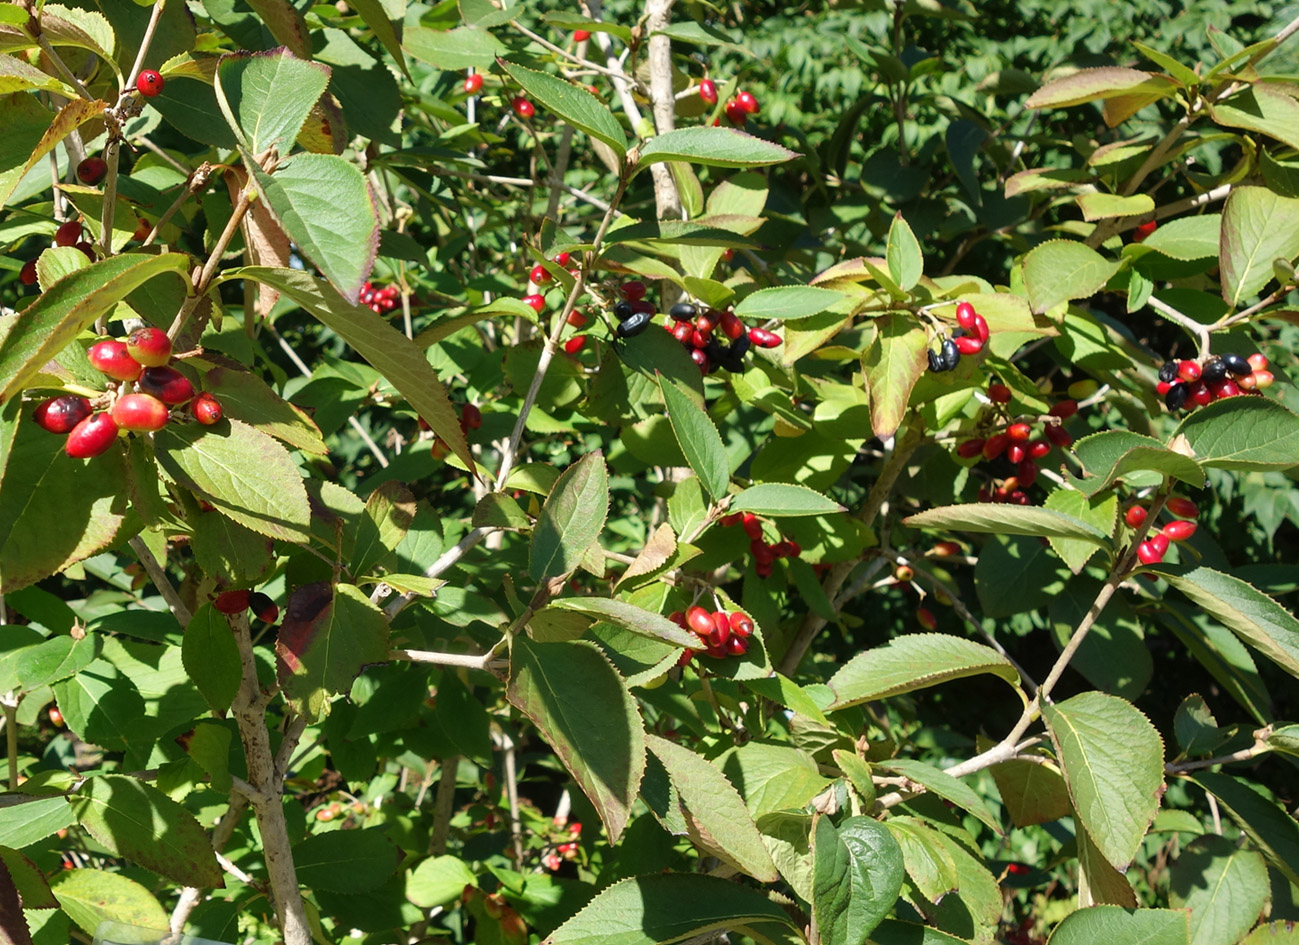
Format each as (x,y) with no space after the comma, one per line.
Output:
(1236,364)
(1214,371)
(1176,396)
(1168,373)
(622,310)
(633,324)
(951,355)
(683,311)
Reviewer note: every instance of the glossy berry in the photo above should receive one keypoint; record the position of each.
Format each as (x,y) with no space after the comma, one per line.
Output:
(737,646)
(682,311)
(633,291)
(735,113)
(1188,370)
(1214,370)
(150,346)
(721,628)
(741,625)
(752,526)
(471,417)
(206,409)
(1182,507)
(1059,436)
(1026,472)
(965,316)
(536,302)
(91,436)
(92,170)
(1263,380)
(1147,553)
(1038,448)
(1064,409)
(563,259)
(575,344)
(1236,364)
(1135,516)
(68,233)
(995,445)
(925,617)
(949,355)
(945,549)
(112,358)
(748,102)
(149,83)
(232,602)
(999,393)
(1168,371)
(473,83)
(1200,393)
(263,607)
(577,319)
(1159,541)
(981,330)
(763,338)
(522,107)
(700,621)
(632,326)
(1257,362)
(27,275)
(1178,531)
(968,345)
(970,448)
(1019,431)
(1176,397)
(1016,452)
(1144,230)
(581,36)
(140,413)
(1225,389)
(708,91)
(167,384)
(87,248)
(61,414)
(539,274)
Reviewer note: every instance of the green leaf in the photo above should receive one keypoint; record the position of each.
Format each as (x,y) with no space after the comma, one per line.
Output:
(328,636)
(465,47)
(1281,932)
(629,617)
(1033,792)
(325,205)
(717,147)
(781,499)
(1247,612)
(266,96)
(209,746)
(32,132)
(1114,656)
(911,662)
(70,306)
(787,302)
(582,708)
(385,30)
(346,861)
(56,658)
(1243,433)
(137,821)
(699,439)
(571,102)
(1258,226)
(928,862)
(667,907)
(1222,885)
(1062,270)
(1088,85)
(571,519)
(100,706)
(401,362)
(1262,107)
(34,820)
(945,786)
(439,880)
(1267,824)
(906,262)
(389,512)
(1138,460)
(893,363)
(92,896)
(1188,238)
(568,21)
(242,471)
(1008,520)
(716,818)
(1115,925)
(857,875)
(897,932)
(1098,206)
(245,396)
(211,657)
(1113,761)
(1099,511)
(228,551)
(19,76)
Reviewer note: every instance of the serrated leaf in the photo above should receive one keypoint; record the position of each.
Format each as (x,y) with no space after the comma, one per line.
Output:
(438,881)
(787,302)
(945,786)
(1033,792)
(32,132)
(1008,520)
(658,549)
(1188,238)
(495,510)
(1115,925)
(211,657)
(1258,226)
(465,47)
(389,512)
(1247,433)
(228,551)
(346,861)
(717,147)
(1113,762)
(781,500)
(893,363)
(1100,511)
(582,708)
(209,745)
(906,262)
(1098,206)
(100,706)
(245,396)
(266,96)
(137,821)
(243,472)
(19,76)
(629,617)
(716,818)
(698,437)
(1088,85)
(1266,823)
(928,862)
(573,103)
(1115,455)
(1263,107)
(92,896)
(384,29)
(1063,270)
(911,662)
(1222,885)
(571,519)
(857,874)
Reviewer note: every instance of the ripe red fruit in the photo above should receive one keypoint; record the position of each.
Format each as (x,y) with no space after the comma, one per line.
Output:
(735,113)
(68,233)
(27,275)
(206,409)
(748,102)
(1026,472)
(92,170)
(149,83)
(968,345)
(999,393)
(91,436)
(737,646)
(536,302)
(995,445)
(232,602)
(112,358)
(471,416)
(522,107)
(1064,409)
(1059,436)
(577,319)
(633,291)
(1016,452)
(682,332)
(965,316)
(56,717)
(141,413)
(1188,370)
(981,330)
(763,338)
(721,628)
(575,344)
(735,518)
(741,625)
(1144,230)
(708,91)
(1135,515)
(945,549)
(1038,448)
(539,274)
(700,621)
(731,326)
(786,549)
(1148,554)
(87,249)
(1178,531)
(925,617)
(473,83)
(752,526)
(150,346)
(263,607)
(581,36)
(167,384)
(61,414)
(1182,507)
(1159,542)
(678,617)
(563,259)
(700,359)
(970,448)
(1257,361)
(1019,431)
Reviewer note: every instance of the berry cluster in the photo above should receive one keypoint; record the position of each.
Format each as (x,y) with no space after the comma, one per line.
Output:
(764,553)
(698,331)
(1193,384)
(140,361)
(721,634)
(969,338)
(565,850)
(236,602)
(381,299)
(739,108)
(1153,549)
(68,234)
(1016,441)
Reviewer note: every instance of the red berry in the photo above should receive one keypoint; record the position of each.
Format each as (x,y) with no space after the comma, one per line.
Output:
(207,409)
(149,83)
(536,302)
(925,617)
(56,717)
(1038,448)
(981,329)
(1182,507)
(1065,409)
(762,554)
(1059,436)
(999,393)
(1163,387)
(945,549)
(68,234)
(111,357)
(965,316)
(741,625)
(232,602)
(698,338)
(1178,531)
(1224,389)
(27,275)
(563,259)
(1019,431)
(995,445)
(577,319)
(522,107)
(735,518)
(91,436)
(735,113)
(1018,869)
(700,621)
(678,617)
(721,631)
(92,170)
(682,332)
(167,384)
(787,549)
(748,102)
(1188,370)
(752,526)
(708,91)
(87,249)
(141,413)
(1144,230)
(263,607)
(1148,554)
(575,344)
(1135,515)
(539,274)
(970,448)
(968,345)
(150,346)
(581,36)
(471,416)
(731,326)
(737,646)
(763,338)
(1257,361)
(1026,472)
(701,360)
(1016,452)
(633,291)
(61,414)
(473,83)
(1159,541)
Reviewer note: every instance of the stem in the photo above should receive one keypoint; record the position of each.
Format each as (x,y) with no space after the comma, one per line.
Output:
(1191,325)
(464,660)
(145,43)
(667,201)
(204,278)
(111,151)
(10,705)
(161,581)
(444,561)
(1245,754)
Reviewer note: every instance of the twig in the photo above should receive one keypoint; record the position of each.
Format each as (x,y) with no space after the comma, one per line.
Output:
(667,201)
(9,703)
(444,561)
(464,660)
(161,581)
(506,745)
(1191,325)
(203,279)
(584,63)
(1260,747)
